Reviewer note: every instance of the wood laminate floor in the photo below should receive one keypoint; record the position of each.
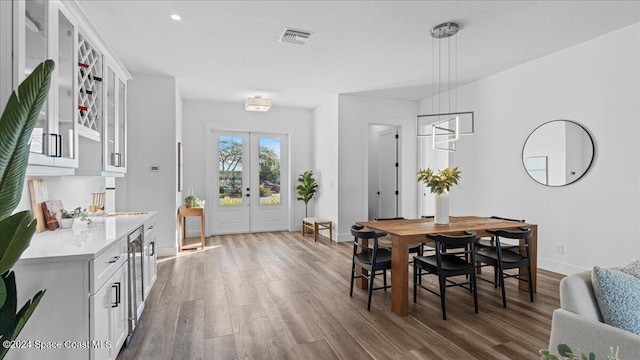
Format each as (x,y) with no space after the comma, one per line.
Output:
(281,296)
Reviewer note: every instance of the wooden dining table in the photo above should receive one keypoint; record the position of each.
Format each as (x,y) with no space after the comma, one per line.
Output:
(404,232)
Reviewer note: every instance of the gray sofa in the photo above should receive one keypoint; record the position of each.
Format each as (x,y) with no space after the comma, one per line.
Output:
(578,323)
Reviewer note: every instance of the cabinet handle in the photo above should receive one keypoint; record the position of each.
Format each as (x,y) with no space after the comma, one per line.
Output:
(150,227)
(114,259)
(118,297)
(153,248)
(59,145)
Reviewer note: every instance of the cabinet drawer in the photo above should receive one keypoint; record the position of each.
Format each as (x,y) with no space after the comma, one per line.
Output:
(105,265)
(150,227)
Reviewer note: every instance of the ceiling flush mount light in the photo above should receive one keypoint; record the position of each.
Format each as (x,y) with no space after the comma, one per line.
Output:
(257,103)
(176,17)
(445,125)
(294,36)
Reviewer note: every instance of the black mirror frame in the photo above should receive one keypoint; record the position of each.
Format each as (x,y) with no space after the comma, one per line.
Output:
(593,152)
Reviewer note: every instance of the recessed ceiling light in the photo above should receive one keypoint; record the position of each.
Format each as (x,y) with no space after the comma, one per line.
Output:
(176,17)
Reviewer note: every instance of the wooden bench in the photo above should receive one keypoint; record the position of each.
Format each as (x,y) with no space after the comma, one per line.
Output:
(314,224)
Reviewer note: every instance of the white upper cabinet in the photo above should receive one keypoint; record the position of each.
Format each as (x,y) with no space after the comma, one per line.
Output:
(82,126)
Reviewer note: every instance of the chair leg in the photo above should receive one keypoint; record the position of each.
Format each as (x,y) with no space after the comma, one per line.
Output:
(442,297)
(415,280)
(353,273)
(495,277)
(530,283)
(475,291)
(372,275)
(384,273)
(504,297)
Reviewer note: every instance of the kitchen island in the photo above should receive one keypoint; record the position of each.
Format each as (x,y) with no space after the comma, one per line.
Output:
(90,273)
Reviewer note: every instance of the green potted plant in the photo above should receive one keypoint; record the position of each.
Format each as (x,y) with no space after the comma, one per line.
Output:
(16,125)
(191,201)
(67,217)
(306,189)
(440,183)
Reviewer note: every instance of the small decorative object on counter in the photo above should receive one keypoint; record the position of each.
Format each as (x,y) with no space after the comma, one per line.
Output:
(440,184)
(78,212)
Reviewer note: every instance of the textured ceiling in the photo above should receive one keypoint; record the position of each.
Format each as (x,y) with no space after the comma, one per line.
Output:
(229,50)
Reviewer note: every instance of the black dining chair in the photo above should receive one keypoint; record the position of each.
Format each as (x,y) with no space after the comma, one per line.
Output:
(375,259)
(490,242)
(505,256)
(448,264)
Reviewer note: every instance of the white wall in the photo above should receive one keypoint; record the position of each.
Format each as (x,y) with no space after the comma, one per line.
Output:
(152,121)
(199,117)
(356,113)
(325,156)
(597,84)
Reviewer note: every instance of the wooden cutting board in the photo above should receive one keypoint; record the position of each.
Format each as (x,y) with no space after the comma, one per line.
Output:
(52,213)
(39,194)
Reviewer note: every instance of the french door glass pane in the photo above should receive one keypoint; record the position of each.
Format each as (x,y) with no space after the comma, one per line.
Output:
(230,170)
(269,162)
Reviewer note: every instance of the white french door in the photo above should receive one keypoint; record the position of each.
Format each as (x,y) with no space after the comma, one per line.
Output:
(250,184)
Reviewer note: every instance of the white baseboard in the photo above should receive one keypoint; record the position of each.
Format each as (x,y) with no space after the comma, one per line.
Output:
(167,251)
(559,267)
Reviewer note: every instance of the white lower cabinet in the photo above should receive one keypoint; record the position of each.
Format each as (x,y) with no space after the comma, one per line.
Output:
(109,324)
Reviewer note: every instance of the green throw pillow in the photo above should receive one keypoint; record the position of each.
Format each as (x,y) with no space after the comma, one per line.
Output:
(618,296)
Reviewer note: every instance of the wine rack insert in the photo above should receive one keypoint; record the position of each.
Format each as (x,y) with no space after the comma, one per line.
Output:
(89,89)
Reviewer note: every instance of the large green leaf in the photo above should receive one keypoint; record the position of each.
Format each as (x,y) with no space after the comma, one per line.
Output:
(25,313)
(15,236)
(16,124)
(8,310)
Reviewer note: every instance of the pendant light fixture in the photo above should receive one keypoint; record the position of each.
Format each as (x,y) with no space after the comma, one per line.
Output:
(446,122)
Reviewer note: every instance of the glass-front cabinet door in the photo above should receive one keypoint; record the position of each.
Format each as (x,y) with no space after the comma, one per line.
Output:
(50,33)
(115,129)
(66,66)
(34,48)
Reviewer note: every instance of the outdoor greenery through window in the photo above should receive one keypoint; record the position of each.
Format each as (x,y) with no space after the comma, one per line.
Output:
(269,161)
(230,170)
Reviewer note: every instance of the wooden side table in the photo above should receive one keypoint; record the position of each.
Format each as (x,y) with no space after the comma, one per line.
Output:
(314,224)
(183,213)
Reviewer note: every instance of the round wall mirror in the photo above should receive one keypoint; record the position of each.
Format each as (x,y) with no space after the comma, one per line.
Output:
(558,153)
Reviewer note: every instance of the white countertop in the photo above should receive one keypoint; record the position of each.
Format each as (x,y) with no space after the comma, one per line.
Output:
(82,241)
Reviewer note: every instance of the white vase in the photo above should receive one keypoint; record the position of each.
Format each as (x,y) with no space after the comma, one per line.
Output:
(442,209)
(66,223)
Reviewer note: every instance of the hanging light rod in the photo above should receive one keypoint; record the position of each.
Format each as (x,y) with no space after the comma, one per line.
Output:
(444,30)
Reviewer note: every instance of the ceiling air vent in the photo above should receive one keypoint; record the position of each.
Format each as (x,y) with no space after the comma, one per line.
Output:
(293,36)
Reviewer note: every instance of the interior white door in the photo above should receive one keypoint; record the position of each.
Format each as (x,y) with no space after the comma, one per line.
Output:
(388,143)
(251,182)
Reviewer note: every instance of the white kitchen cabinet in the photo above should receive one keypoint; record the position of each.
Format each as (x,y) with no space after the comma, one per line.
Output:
(72,130)
(150,256)
(109,324)
(47,30)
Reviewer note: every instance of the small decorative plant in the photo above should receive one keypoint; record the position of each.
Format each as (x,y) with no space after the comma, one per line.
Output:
(307,188)
(78,212)
(192,200)
(565,351)
(440,182)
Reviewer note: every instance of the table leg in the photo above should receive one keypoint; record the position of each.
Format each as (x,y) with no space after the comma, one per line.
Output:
(202,230)
(399,276)
(181,240)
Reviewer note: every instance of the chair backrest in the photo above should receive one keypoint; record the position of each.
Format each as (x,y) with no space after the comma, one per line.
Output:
(523,233)
(359,232)
(447,242)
